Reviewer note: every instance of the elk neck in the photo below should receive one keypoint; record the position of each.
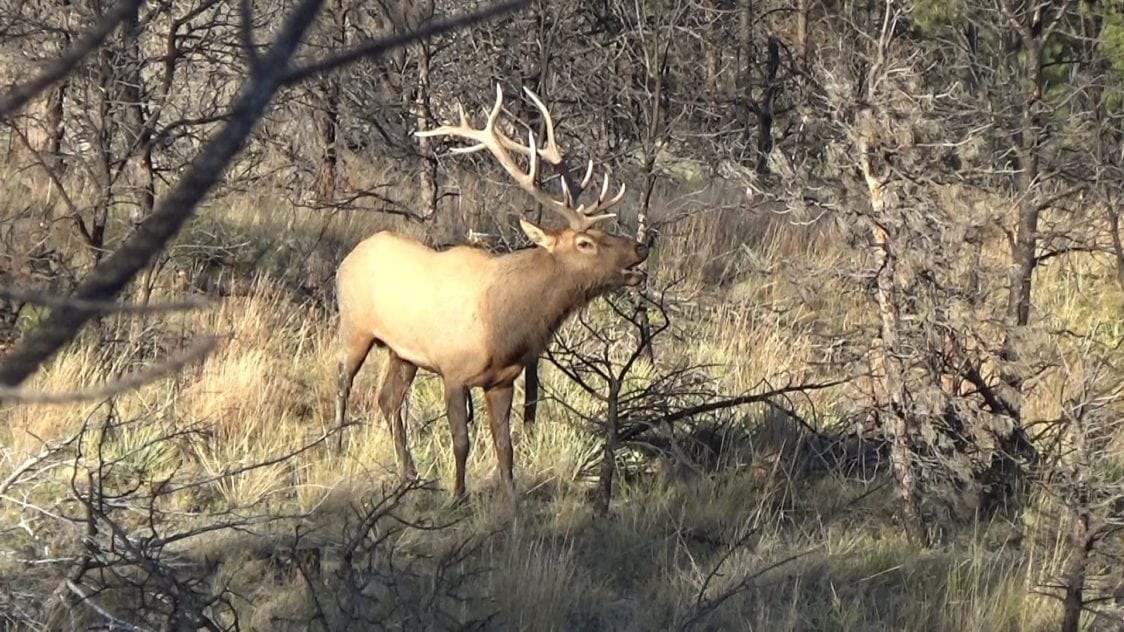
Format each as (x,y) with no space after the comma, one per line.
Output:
(531,294)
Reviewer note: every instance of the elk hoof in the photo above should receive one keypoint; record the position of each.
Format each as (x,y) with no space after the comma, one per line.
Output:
(458,499)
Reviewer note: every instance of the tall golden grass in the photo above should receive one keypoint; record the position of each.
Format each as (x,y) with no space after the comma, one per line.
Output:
(819,552)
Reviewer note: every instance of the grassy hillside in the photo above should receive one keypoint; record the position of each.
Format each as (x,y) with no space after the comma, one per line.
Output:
(224,489)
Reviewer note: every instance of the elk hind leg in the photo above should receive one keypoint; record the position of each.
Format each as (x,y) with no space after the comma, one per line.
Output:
(354,347)
(395,383)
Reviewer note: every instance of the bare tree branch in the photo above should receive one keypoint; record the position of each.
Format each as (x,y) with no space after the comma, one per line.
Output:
(113,622)
(134,380)
(375,47)
(105,307)
(740,400)
(110,276)
(19,95)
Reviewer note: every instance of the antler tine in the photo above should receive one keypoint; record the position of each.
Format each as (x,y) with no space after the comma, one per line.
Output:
(495,141)
(588,174)
(570,195)
(463,124)
(565,208)
(490,137)
(550,152)
(533,159)
(567,194)
(494,115)
(586,214)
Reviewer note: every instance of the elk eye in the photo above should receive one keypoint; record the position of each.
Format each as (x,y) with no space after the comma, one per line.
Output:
(585,243)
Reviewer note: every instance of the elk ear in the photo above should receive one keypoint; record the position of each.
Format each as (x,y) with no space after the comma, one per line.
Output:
(539,236)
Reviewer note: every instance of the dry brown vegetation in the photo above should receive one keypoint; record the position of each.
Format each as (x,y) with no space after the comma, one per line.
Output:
(788,524)
(879,396)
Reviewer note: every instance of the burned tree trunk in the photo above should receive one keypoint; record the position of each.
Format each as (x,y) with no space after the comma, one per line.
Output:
(427,172)
(1027,141)
(888,373)
(1117,246)
(138,132)
(764,107)
(609,450)
(328,126)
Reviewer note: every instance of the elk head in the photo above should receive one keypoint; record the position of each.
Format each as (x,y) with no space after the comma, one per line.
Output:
(589,253)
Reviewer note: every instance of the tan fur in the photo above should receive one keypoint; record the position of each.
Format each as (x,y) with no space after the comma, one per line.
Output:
(474,318)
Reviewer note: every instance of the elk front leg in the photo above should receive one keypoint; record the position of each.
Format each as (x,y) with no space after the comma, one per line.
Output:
(396,382)
(499,419)
(530,393)
(456,400)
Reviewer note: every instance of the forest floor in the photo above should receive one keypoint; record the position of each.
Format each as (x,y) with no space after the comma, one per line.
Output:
(230,485)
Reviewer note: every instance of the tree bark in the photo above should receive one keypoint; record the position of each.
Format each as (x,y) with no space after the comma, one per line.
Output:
(745,63)
(654,137)
(1082,545)
(427,174)
(1027,140)
(713,52)
(1096,70)
(1083,538)
(609,451)
(1117,246)
(56,125)
(802,47)
(889,372)
(643,320)
(329,119)
(137,131)
(328,123)
(104,128)
(764,109)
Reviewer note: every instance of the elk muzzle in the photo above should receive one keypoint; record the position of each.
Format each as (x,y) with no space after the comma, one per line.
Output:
(633,278)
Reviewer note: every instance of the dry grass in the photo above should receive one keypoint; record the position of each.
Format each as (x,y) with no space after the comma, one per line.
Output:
(799,552)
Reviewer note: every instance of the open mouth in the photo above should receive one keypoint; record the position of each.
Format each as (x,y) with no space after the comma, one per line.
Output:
(633,277)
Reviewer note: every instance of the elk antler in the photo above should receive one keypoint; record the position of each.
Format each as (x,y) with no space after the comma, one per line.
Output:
(490,137)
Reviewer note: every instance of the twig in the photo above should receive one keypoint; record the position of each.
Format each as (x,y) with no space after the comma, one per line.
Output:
(116,387)
(114,622)
(105,307)
(20,94)
(152,235)
(375,47)
(702,608)
(109,277)
(47,451)
(23,467)
(731,402)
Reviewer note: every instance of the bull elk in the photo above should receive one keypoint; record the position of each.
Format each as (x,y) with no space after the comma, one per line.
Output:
(474,318)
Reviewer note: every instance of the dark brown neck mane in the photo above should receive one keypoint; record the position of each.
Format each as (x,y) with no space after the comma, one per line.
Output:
(529,298)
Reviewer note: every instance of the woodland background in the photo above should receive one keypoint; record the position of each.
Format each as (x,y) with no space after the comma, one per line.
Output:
(874,380)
